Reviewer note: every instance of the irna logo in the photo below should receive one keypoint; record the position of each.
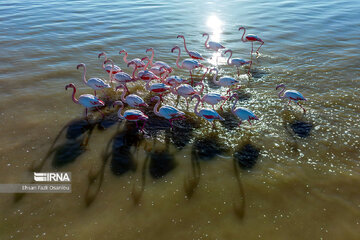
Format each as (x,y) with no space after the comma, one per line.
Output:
(52,177)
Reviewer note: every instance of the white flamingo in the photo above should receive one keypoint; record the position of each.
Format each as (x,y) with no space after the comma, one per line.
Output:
(243,114)
(292,95)
(237,62)
(192,54)
(94,83)
(186,91)
(206,113)
(251,38)
(132,100)
(158,63)
(213,99)
(87,100)
(167,112)
(132,115)
(136,62)
(108,67)
(122,77)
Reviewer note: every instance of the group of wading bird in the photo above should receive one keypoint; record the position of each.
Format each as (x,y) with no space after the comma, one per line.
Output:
(160,71)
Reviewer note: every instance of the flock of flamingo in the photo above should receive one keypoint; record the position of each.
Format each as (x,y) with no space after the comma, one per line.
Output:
(158,80)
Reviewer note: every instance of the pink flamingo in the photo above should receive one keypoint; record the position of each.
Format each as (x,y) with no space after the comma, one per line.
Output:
(132,115)
(167,112)
(192,54)
(132,100)
(188,64)
(186,91)
(94,83)
(212,99)
(158,63)
(206,113)
(122,77)
(291,95)
(251,38)
(137,63)
(242,113)
(87,100)
(174,81)
(237,62)
(159,88)
(224,81)
(215,46)
(148,74)
(108,67)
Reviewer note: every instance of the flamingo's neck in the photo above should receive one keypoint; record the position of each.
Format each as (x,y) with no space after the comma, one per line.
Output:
(103,65)
(112,68)
(156,107)
(197,104)
(202,87)
(152,57)
(283,89)
(215,76)
(119,111)
(207,39)
(125,60)
(207,69)
(147,65)
(133,74)
(242,38)
(185,46)
(73,95)
(178,58)
(228,61)
(233,107)
(123,93)
(84,74)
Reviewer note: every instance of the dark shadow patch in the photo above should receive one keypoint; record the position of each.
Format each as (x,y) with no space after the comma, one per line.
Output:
(161,163)
(182,132)
(107,123)
(246,156)
(301,129)
(68,152)
(122,161)
(230,122)
(77,128)
(207,148)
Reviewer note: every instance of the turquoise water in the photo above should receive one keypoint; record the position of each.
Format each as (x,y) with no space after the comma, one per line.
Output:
(299,187)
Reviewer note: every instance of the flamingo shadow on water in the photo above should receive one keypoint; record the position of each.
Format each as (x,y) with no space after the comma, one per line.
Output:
(204,149)
(122,158)
(244,157)
(78,133)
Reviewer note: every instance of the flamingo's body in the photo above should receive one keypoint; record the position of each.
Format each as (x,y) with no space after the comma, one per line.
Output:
(87,100)
(224,81)
(121,77)
(237,62)
(94,83)
(158,64)
(206,113)
(192,54)
(167,112)
(212,98)
(174,81)
(243,114)
(135,63)
(186,91)
(132,100)
(215,46)
(108,67)
(132,115)
(251,38)
(189,64)
(292,95)
(148,74)
(157,87)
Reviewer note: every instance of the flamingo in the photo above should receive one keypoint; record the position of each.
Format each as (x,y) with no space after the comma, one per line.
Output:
(188,64)
(192,54)
(215,46)
(87,100)
(251,38)
(132,100)
(122,77)
(174,81)
(237,62)
(158,63)
(291,95)
(148,74)
(167,112)
(213,99)
(94,83)
(242,113)
(224,81)
(186,91)
(132,115)
(108,67)
(137,61)
(206,113)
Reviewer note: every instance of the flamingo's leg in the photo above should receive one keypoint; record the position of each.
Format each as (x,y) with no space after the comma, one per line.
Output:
(102,114)
(301,107)
(192,80)
(240,123)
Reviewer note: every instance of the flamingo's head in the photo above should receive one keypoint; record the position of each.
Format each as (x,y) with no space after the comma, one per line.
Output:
(119,87)
(213,69)
(195,96)
(122,51)
(149,49)
(130,63)
(145,58)
(279,86)
(224,97)
(205,34)
(143,105)
(176,47)
(80,65)
(101,54)
(235,95)
(229,50)
(241,28)
(180,36)
(117,103)
(69,85)
(144,117)
(108,61)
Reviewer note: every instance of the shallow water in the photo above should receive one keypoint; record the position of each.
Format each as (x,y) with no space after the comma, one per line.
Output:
(302,184)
